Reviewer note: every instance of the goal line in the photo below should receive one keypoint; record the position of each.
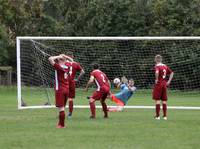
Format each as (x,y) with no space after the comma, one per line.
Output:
(126,107)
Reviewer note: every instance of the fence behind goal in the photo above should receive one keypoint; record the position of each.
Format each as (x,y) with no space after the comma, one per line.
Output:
(132,57)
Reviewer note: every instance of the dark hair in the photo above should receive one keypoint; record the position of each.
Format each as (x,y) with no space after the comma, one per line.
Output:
(131,79)
(70,53)
(96,66)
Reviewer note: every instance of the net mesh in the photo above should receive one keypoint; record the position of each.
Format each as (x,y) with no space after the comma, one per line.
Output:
(130,58)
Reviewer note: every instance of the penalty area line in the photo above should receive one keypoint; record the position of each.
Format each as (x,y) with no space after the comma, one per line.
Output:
(126,107)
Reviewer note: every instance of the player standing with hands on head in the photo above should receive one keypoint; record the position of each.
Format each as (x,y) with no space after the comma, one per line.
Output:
(61,84)
(103,90)
(160,87)
(75,67)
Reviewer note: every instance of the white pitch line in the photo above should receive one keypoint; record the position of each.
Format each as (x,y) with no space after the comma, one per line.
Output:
(127,107)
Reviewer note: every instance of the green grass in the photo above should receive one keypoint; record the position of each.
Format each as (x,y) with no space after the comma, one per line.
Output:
(38,96)
(131,129)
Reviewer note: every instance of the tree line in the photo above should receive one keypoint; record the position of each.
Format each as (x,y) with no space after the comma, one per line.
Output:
(94,18)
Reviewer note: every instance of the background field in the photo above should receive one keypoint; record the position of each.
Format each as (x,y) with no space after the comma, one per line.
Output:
(37,96)
(133,128)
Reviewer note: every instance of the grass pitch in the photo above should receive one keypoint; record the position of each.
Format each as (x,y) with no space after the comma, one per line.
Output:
(131,129)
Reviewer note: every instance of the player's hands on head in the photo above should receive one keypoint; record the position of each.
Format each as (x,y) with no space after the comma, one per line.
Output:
(62,56)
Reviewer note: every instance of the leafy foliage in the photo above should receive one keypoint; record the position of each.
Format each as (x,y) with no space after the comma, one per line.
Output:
(95,18)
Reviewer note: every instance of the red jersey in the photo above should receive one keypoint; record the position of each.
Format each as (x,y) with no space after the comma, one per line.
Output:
(163,70)
(101,79)
(61,76)
(76,67)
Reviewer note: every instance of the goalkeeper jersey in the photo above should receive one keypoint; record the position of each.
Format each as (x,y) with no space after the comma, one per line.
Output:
(125,93)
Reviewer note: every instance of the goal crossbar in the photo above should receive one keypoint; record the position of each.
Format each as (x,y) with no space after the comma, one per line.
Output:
(113,38)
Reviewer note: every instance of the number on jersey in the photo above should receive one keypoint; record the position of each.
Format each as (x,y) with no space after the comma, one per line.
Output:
(164,73)
(103,78)
(65,75)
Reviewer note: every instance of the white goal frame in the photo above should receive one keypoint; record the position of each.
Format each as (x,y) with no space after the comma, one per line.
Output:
(92,38)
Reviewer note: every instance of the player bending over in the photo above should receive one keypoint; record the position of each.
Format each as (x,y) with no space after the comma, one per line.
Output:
(76,67)
(61,85)
(103,90)
(121,98)
(160,86)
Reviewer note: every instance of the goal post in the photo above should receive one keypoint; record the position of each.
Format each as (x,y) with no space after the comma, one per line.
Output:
(118,56)
(18,73)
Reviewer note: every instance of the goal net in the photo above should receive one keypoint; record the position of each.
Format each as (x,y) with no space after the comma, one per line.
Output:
(132,57)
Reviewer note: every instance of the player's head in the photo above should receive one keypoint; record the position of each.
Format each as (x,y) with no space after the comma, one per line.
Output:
(124,80)
(70,54)
(131,82)
(95,66)
(158,58)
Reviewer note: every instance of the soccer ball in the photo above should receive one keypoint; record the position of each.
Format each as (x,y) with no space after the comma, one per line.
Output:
(116,81)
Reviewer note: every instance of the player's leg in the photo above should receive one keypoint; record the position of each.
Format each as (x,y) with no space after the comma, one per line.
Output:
(104,106)
(96,96)
(116,109)
(120,104)
(157,109)
(164,102)
(157,96)
(61,122)
(71,98)
(71,107)
(164,106)
(92,107)
(60,104)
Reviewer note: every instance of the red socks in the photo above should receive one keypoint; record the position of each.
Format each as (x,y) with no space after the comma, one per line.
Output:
(71,106)
(62,118)
(92,109)
(164,106)
(105,109)
(157,110)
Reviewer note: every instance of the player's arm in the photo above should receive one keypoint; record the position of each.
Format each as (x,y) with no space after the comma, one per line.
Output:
(170,78)
(53,58)
(91,80)
(67,57)
(132,88)
(82,72)
(109,82)
(119,85)
(110,93)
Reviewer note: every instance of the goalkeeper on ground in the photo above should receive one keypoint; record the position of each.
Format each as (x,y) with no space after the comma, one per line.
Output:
(121,98)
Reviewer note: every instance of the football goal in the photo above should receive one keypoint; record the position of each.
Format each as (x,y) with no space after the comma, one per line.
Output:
(132,57)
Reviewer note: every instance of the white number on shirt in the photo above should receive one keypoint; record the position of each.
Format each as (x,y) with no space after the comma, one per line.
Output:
(70,70)
(65,75)
(103,78)
(164,73)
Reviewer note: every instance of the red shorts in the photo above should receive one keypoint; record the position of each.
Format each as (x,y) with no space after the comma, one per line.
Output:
(160,92)
(117,101)
(102,94)
(72,89)
(61,98)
